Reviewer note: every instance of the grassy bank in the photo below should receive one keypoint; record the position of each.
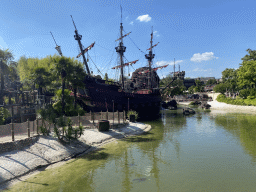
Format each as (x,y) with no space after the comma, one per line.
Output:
(250,101)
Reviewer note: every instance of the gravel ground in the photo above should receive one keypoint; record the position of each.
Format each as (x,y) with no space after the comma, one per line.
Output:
(49,151)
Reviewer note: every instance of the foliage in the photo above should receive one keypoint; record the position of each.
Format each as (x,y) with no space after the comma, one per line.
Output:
(6,100)
(40,77)
(133,113)
(191,89)
(50,115)
(4,114)
(220,88)
(175,88)
(53,65)
(211,82)
(106,77)
(229,79)
(44,130)
(238,101)
(247,74)
(69,107)
(199,86)
(244,93)
(194,103)
(251,56)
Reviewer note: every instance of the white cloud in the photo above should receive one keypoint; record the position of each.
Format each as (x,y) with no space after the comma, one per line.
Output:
(197,57)
(131,23)
(144,18)
(199,70)
(161,63)
(156,33)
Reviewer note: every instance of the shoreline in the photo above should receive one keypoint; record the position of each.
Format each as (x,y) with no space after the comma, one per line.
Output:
(215,105)
(47,152)
(231,108)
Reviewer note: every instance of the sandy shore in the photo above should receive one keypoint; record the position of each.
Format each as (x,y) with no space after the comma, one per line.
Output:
(49,151)
(232,108)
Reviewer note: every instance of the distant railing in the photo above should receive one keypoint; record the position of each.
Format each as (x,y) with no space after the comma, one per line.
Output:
(31,128)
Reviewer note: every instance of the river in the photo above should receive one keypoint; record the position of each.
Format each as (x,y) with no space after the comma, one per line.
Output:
(207,151)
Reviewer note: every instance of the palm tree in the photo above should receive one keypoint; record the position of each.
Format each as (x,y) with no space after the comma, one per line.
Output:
(76,79)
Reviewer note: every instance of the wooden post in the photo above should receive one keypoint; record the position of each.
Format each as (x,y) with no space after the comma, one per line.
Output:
(12,131)
(113,112)
(63,127)
(91,115)
(107,114)
(27,97)
(10,99)
(78,120)
(12,111)
(28,130)
(123,116)
(37,126)
(33,127)
(118,117)
(101,115)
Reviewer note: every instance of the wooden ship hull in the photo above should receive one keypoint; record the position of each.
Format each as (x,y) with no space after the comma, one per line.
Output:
(99,96)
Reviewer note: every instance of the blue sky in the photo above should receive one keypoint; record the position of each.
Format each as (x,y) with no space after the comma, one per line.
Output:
(204,37)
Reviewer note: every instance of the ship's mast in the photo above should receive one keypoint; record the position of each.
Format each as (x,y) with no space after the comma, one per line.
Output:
(57,46)
(150,57)
(121,49)
(78,38)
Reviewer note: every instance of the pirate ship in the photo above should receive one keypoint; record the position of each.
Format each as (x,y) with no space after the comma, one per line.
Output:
(140,93)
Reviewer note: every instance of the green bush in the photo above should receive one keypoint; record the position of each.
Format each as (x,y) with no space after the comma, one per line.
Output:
(4,114)
(133,113)
(238,101)
(244,93)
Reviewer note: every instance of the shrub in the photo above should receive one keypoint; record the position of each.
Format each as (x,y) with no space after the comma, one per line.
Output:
(133,113)
(244,93)
(4,114)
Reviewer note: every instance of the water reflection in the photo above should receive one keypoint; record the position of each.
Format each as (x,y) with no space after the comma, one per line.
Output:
(241,126)
(200,152)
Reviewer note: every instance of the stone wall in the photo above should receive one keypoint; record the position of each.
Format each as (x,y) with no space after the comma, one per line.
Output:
(17,145)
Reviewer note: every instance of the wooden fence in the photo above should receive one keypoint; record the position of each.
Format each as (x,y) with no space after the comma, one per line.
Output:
(32,128)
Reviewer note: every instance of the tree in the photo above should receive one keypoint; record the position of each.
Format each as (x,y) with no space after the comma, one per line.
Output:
(247,74)
(106,77)
(229,77)
(191,89)
(211,82)
(199,86)
(251,56)
(76,80)
(220,88)
(41,78)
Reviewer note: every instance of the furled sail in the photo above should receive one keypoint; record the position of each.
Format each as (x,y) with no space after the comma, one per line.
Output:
(85,50)
(153,46)
(155,69)
(126,64)
(123,36)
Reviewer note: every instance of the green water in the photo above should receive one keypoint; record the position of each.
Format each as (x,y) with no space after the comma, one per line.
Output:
(207,151)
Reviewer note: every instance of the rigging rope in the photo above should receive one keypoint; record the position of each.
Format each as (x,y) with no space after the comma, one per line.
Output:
(94,64)
(102,47)
(135,44)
